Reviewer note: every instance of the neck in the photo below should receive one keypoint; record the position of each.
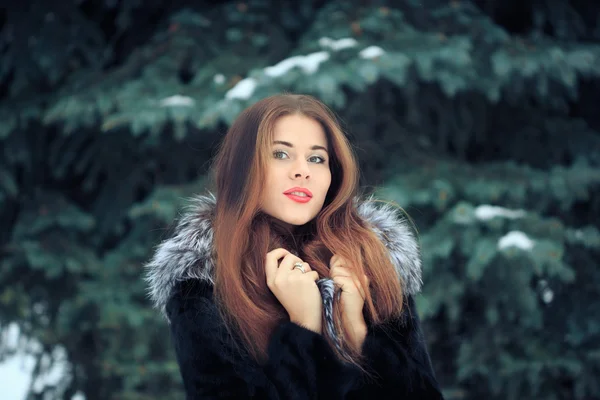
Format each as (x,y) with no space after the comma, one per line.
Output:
(278,226)
(292,235)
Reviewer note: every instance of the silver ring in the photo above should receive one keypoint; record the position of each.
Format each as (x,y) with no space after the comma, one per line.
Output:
(299,266)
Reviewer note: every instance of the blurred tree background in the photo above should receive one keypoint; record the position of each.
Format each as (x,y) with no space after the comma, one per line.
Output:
(481,118)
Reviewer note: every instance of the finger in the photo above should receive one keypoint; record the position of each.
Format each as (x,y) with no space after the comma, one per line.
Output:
(350,285)
(344,280)
(305,265)
(336,261)
(345,283)
(278,253)
(288,262)
(339,262)
(314,275)
(340,271)
(333,259)
(271,262)
(349,273)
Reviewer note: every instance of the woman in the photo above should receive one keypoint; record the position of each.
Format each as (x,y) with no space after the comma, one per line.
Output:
(287,285)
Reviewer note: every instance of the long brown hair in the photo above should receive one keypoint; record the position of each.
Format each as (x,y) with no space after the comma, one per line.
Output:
(243,235)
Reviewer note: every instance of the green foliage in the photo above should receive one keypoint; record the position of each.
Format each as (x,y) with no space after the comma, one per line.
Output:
(140,94)
(451,114)
(33,49)
(508,291)
(575,20)
(94,305)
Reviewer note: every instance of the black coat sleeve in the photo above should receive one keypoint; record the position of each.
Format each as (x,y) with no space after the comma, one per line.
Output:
(301,364)
(397,360)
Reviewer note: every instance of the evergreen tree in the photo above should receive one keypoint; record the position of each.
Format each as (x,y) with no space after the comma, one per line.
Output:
(479,118)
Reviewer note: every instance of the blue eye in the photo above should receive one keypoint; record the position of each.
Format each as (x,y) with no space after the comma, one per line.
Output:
(277,152)
(282,155)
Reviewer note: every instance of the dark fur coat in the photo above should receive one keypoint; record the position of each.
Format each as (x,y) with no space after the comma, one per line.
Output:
(301,364)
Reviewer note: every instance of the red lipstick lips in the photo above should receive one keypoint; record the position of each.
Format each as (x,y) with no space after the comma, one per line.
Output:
(298,194)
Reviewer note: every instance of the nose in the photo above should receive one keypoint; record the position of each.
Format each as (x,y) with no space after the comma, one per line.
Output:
(300,169)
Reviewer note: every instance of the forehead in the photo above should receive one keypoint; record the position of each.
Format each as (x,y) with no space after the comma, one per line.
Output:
(299,129)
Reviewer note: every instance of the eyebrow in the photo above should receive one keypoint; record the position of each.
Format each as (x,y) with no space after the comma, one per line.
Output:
(288,144)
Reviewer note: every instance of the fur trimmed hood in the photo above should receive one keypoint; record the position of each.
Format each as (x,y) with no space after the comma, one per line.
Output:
(188,253)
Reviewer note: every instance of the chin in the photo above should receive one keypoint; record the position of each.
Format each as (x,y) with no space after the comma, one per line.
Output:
(296,220)
(293,216)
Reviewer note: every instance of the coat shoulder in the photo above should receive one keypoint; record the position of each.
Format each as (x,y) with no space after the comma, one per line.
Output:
(393,227)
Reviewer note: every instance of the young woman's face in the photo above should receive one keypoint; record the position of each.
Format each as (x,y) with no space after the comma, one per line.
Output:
(299,159)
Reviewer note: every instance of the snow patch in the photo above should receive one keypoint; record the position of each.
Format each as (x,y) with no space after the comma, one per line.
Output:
(547,292)
(486,212)
(242,90)
(219,79)
(177,101)
(308,63)
(16,369)
(547,295)
(371,52)
(336,45)
(515,239)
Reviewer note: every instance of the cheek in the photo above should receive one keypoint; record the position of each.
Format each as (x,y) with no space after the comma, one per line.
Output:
(269,176)
(272,180)
(324,185)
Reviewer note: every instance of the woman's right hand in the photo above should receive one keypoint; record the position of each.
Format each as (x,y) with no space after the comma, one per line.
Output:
(296,291)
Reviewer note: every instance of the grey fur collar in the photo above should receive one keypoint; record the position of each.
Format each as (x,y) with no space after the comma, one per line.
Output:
(187,254)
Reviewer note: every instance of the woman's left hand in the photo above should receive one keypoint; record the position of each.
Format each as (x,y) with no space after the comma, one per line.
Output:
(352,299)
